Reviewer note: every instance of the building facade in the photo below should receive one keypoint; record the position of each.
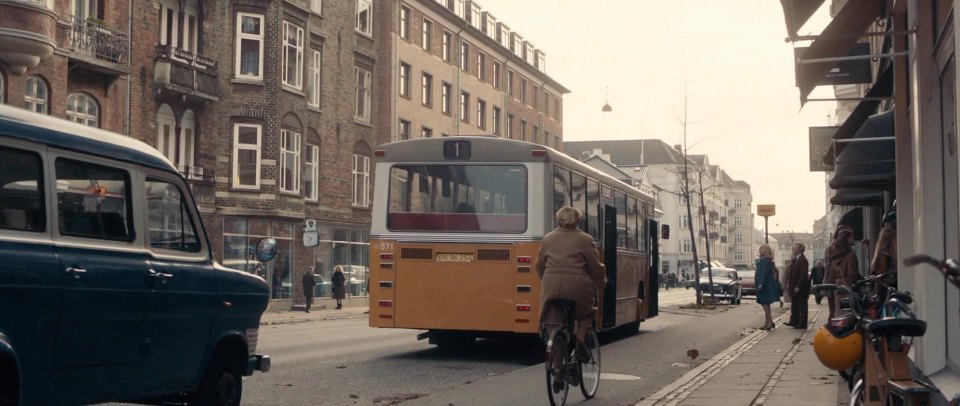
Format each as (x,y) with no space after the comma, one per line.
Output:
(454,69)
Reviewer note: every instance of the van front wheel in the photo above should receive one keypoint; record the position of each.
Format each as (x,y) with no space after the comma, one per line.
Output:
(222,383)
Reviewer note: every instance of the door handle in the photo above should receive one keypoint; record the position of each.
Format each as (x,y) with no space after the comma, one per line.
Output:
(162,276)
(75,272)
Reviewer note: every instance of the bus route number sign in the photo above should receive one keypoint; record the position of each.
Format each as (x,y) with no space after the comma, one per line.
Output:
(456,150)
(443,257)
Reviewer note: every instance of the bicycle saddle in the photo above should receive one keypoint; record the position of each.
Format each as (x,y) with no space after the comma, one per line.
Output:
(902,297)
(894,326)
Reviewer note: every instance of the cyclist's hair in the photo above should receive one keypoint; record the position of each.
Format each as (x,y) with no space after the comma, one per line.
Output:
(568,217)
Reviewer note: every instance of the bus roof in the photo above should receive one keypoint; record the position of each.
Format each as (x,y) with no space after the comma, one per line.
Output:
(26,125)
(494,149)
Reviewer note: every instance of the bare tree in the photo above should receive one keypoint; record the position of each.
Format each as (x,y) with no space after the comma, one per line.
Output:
(688,193)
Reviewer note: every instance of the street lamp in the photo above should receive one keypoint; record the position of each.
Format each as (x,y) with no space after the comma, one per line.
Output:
(606,105)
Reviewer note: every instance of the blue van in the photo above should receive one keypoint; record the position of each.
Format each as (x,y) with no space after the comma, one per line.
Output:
(108,288)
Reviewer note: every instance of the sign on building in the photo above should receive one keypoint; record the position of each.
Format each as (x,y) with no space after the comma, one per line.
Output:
(820,140)
(845,72)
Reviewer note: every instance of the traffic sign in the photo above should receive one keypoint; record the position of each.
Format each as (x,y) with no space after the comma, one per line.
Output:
(766,210)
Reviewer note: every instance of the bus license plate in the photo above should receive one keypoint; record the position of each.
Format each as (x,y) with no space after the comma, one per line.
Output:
(454,257)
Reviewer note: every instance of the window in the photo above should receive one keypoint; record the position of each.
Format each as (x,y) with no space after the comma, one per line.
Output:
(426,132)
(289,161)
(316,6)
(37,97)
(737,221)
(447,44)
(496,120)
(426,40)
(364,17)
(166,132)
(496,75)
(510,126)
(445,90)
(249,63)
(523,90)
(82,108)
(185,146)
(361,178)
(593,208)
(426,90)
(561,188)
(523,130)
(292,55)
(482,114)
(465,107)
(176,31)
(21,196)
(536,134)
(170,225)
(93,201)
(482,66)
(684,221)
(536,97)
(738,238)
(313,89)
(474,15)
(737,255)
(404,22)
(404,80)
(246,155)
(464,56)
(311,172)
(361,94)
(83,9)
(404,130)
(632,229)
(510,82)
(737,203)
(685,246)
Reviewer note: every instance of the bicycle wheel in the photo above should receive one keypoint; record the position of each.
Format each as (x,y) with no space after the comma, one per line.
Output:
(856,393)
(556,354)
(590,370)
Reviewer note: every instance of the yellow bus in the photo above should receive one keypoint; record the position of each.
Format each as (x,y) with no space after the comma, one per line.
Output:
(457,223)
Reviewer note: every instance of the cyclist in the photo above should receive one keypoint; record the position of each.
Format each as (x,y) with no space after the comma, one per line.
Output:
(569,266)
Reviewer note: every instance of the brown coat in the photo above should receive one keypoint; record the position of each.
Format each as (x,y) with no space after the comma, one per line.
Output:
(799,276)
(569,266)
(842,265)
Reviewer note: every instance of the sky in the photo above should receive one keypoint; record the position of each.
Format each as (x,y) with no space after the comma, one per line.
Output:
(728,57)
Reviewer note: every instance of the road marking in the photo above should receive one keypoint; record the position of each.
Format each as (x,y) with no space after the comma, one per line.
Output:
(610,376)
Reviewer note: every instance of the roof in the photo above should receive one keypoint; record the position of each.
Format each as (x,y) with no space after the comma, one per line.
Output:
(64,134)
(627,152)
(602,165)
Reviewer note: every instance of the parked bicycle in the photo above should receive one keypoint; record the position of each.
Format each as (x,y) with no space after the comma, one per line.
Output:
(564,365)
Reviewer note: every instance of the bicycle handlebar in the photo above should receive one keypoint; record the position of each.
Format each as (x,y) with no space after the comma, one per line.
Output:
(949,268)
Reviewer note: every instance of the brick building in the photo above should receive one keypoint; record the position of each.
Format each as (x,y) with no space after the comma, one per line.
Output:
(455,70)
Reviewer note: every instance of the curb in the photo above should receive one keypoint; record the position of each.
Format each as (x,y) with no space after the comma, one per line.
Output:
(687,380)
(298,320)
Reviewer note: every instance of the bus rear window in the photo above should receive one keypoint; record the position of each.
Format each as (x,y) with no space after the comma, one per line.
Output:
(458,198)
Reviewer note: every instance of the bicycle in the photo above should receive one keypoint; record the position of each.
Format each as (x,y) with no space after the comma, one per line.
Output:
(563,367)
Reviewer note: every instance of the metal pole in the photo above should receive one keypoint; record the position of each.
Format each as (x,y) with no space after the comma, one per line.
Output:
(766,234)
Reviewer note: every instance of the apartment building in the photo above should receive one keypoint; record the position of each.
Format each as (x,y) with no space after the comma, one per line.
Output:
(455,69)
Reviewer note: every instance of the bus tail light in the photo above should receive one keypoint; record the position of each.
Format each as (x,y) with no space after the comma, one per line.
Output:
(522,320)
(539,153)
(524,260)
(386,256)
(379,153)
(523,308)
(386,303)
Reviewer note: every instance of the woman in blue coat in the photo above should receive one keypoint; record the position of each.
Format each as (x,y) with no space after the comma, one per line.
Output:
(768,290)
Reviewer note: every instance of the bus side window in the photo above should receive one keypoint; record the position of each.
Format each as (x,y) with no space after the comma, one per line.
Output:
(631,222)
(593,209)
(578,192)
(561,188)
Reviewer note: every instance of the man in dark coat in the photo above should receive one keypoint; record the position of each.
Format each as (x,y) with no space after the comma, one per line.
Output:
(799,285)
(816,278)
(308,283)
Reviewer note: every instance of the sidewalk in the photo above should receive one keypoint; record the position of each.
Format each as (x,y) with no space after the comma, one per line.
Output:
(322,309)
(764,368)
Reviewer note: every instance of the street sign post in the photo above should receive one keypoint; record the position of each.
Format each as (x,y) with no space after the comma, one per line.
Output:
(766,210)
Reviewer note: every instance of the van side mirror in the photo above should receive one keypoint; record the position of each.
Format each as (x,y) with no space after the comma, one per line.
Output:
(665,232)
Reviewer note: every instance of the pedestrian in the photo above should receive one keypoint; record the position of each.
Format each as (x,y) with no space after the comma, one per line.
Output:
(308,283)
(767,285)
(842,265)
(816,278)
(799,287)
(568,265)
(339,285)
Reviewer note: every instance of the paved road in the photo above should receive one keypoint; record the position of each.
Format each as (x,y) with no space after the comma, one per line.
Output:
(344,362)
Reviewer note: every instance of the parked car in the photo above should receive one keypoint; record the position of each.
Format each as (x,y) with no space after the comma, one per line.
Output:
(747,283)
(726,284)
(108,286)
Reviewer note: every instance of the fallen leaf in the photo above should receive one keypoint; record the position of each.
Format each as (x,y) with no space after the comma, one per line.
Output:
(681,365)
(693,354)
(352,396)
(341,366)
(283,384)
(796,341)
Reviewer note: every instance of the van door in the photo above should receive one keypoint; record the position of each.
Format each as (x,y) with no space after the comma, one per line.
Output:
(105,303)
(182,281)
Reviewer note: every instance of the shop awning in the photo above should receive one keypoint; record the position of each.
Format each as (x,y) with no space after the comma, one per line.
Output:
(868,162)
(857,197)
(797,12)
(835,41)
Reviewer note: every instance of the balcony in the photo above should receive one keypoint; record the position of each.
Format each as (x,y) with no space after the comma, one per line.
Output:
(202,183)
(96,47)
(185,73)
(28,31)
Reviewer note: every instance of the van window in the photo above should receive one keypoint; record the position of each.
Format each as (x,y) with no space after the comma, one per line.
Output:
(21,200)
(93,200)
(170,224)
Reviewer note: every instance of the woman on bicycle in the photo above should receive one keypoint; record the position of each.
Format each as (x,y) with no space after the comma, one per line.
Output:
(569,266)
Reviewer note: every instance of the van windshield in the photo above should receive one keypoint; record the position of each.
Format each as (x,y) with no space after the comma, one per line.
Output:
(458,198)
